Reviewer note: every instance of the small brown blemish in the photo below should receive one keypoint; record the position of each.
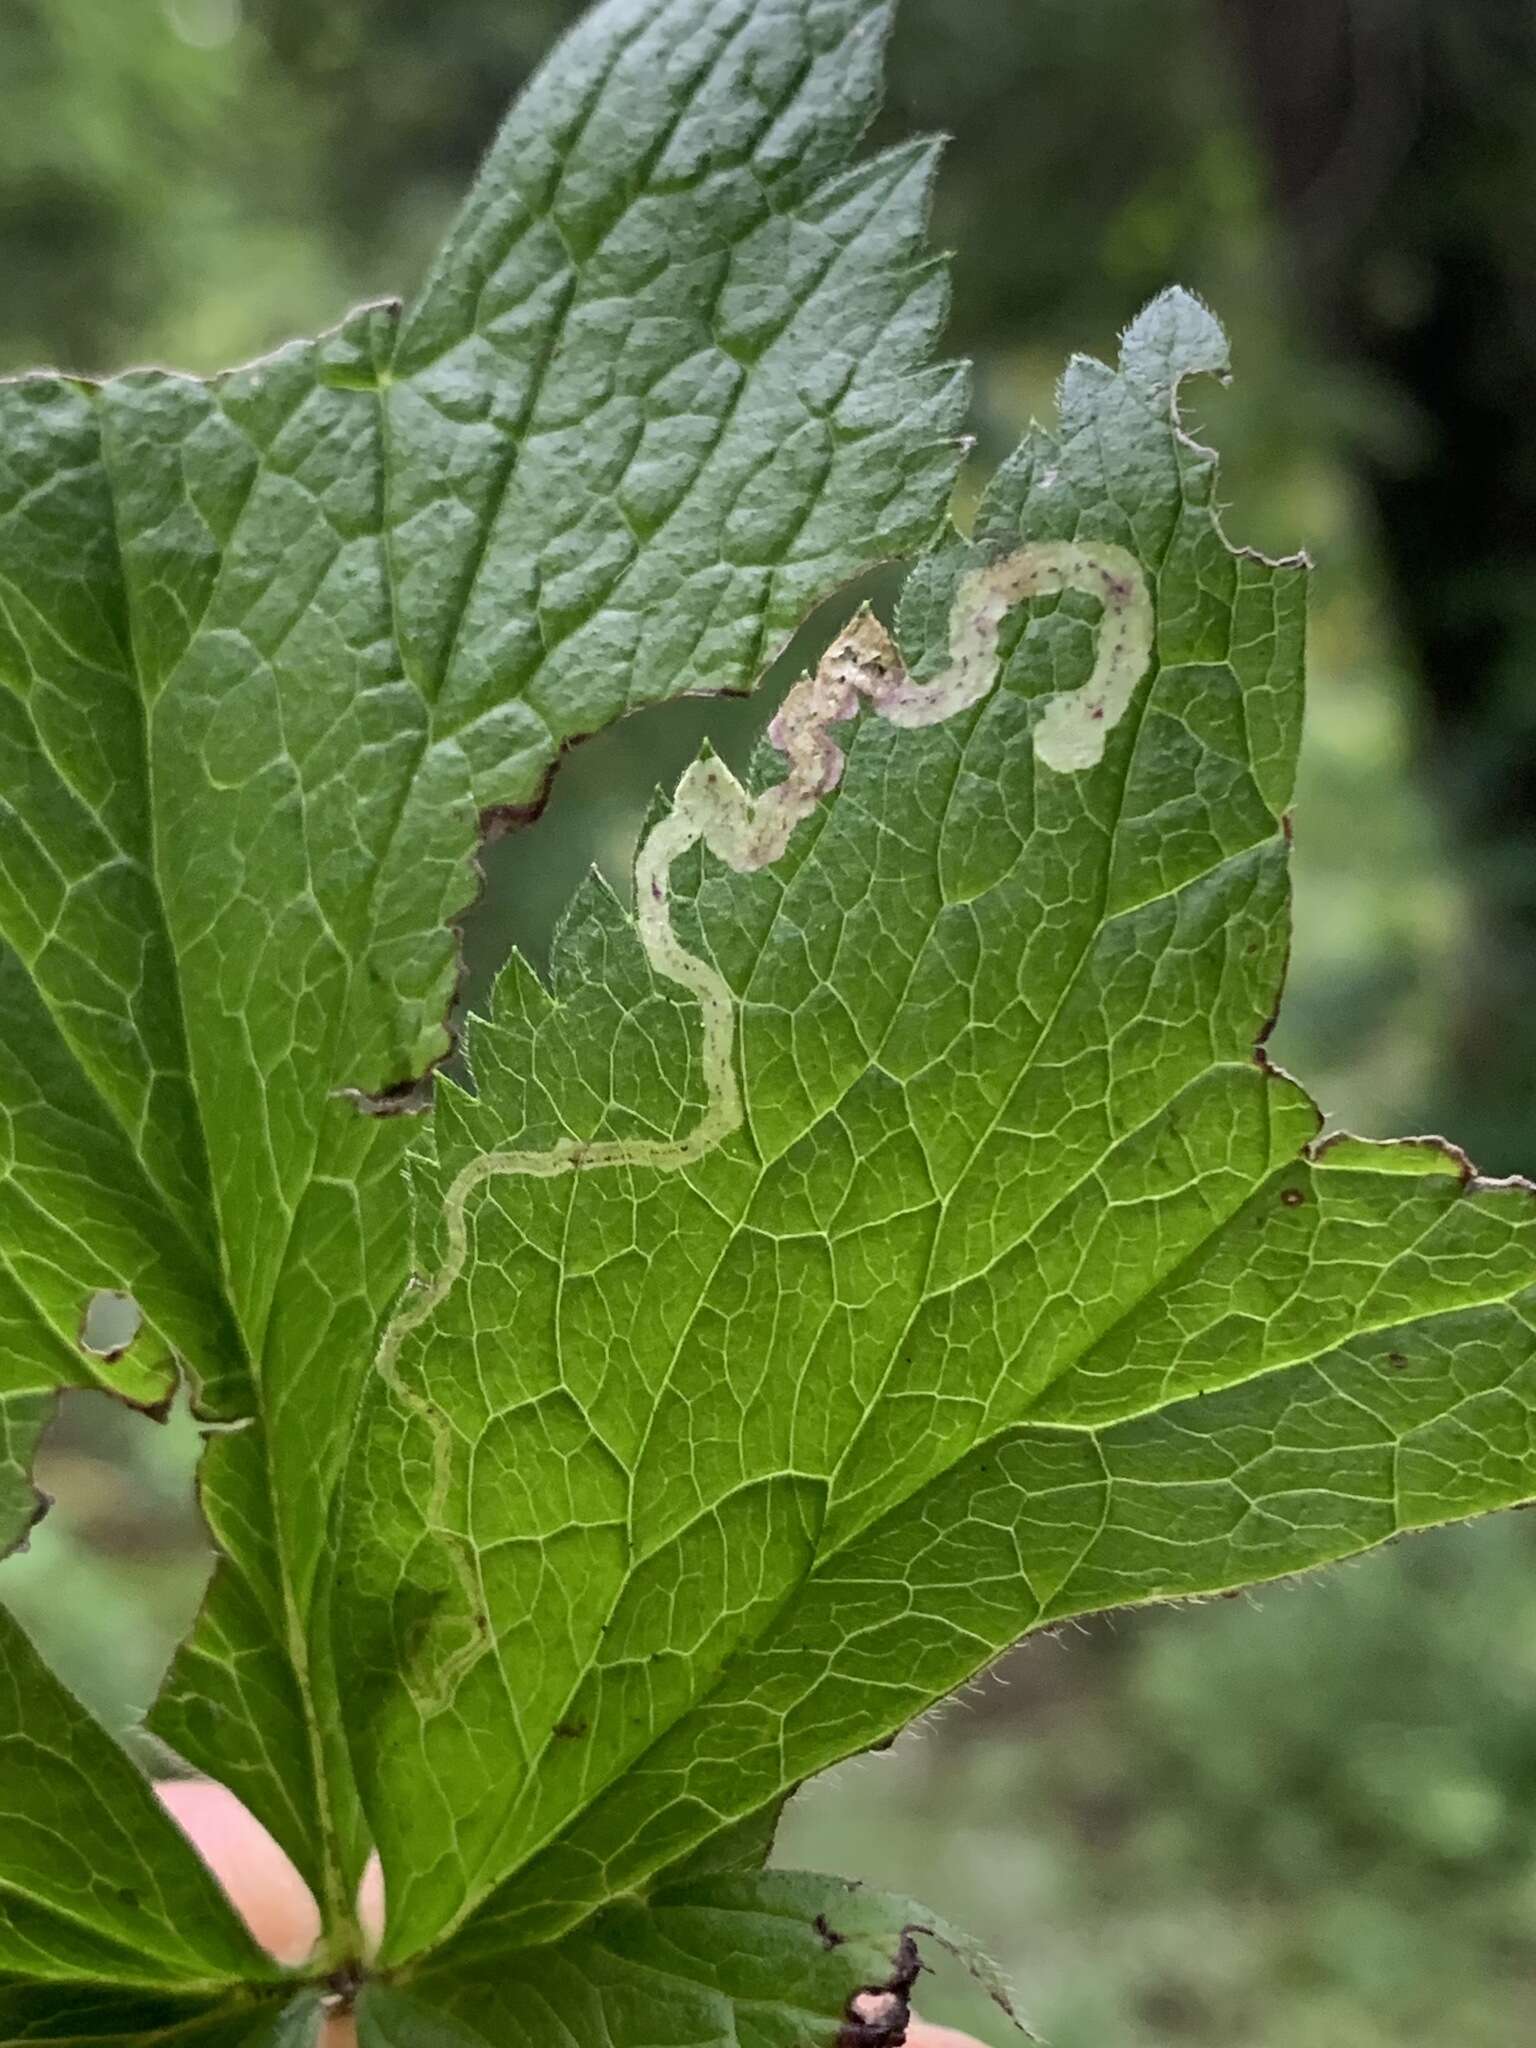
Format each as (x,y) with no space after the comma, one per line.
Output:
(342,1987)
(1397,1360)
(571,1730)
(400,1098)
(1293,1198)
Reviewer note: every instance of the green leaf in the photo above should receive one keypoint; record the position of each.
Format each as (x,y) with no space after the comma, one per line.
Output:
(772,1961)
(278,647)
(889,1239)
(92,2018)
(97,1884)
(23,1418)
(894,1241)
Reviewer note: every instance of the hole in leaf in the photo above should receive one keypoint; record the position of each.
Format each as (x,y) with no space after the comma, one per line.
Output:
(111,1321)
(604,787)
(115,1571)
(597,805)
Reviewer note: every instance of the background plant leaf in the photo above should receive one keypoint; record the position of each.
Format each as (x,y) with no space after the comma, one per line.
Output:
(1025,1289)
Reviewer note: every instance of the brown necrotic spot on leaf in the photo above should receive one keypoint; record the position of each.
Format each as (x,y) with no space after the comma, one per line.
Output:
(879,2015)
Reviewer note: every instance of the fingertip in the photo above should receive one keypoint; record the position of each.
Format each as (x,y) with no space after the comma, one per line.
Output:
(258,1876)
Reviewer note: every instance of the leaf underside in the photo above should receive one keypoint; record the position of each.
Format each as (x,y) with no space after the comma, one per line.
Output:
(95,1889)
(1024,1288)
(889,1240)
(63,2017)
(277,646)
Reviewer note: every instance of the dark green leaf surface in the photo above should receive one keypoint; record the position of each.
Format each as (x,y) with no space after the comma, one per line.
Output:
(89,2018)
(771,1961)
(275,645)
(1024,1287)
(97,1884)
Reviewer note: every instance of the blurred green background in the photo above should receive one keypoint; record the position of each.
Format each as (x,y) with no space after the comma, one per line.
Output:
(1309,1819)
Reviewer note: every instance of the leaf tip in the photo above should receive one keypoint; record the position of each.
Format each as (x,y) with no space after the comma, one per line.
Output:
(1174,337)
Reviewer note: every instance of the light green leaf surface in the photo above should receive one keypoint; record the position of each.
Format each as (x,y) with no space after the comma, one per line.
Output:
(275,646)
(97,1884)
(770,1961)
(1021,1288)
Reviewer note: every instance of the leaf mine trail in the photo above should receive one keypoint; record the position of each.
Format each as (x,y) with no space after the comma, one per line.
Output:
(748,833)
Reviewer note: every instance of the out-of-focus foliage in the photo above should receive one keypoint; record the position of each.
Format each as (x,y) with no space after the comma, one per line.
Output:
(1400,141)
(1310,1819)
(1314,1822)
